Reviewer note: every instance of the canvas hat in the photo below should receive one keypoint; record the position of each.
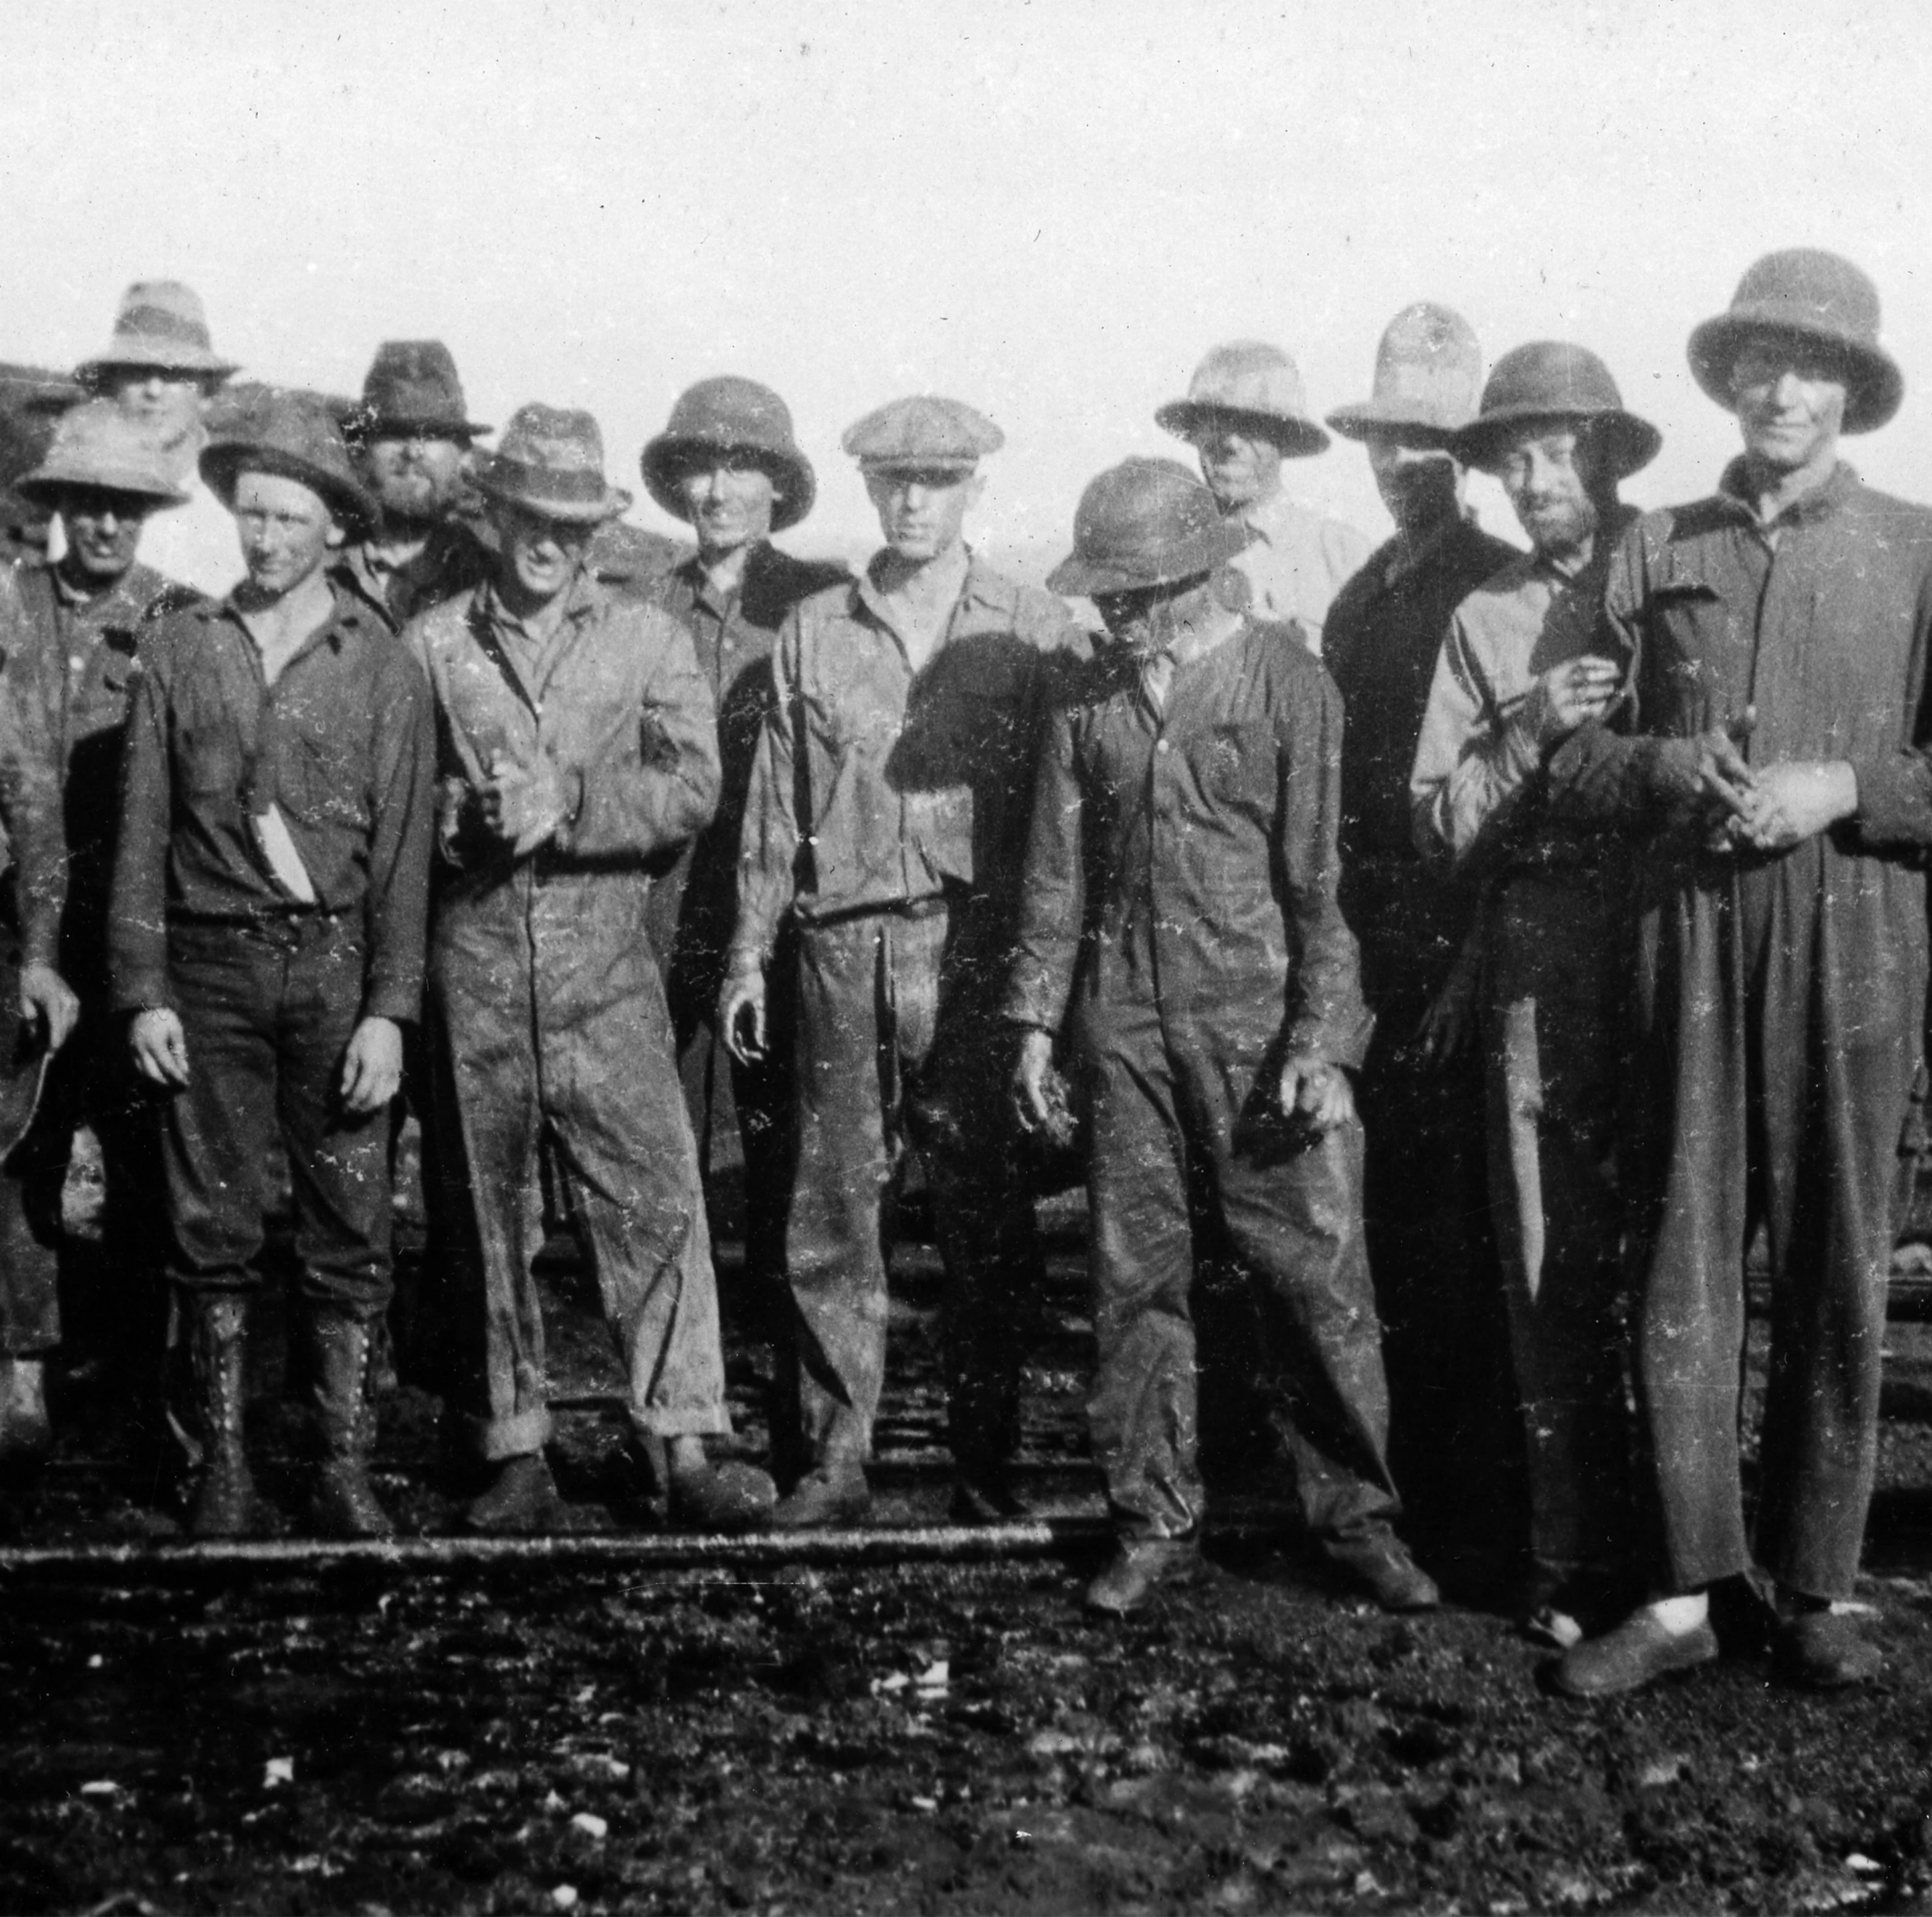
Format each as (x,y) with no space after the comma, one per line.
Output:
(1252,385)
(731,414)
(1145,522)
(1428,377)
(101,445)
(1816,298)
(161,323)
(923,432)
(551,462)
(1551,379)
(412,389)
(294,436)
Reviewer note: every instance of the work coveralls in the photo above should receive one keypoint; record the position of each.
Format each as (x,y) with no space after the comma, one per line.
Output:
(1779,1002)
(1190,849)
(1455,1443)
(887,816)
(547,1008)
(1556,944)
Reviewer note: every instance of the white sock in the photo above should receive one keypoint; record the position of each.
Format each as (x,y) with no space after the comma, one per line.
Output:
(1681,1614)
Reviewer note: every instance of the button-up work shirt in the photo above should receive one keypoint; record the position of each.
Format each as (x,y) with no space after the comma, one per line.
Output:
(452,560)
(1296,561)
(341,744)
(875,786)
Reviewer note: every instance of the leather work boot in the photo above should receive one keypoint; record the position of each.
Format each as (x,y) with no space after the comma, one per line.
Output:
(1825,1650)
(522,1498)
(224,1504)
(342,1502)
(26,1437)
(1379,1562)
(1638,1651)
(1128,1579)
(688,1490)
(835,1492)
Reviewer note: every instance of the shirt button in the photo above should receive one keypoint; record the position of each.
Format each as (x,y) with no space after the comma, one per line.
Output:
(1162,745)
(76,664)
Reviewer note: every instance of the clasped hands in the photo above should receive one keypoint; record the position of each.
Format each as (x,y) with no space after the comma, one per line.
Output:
(522,806)
(1766,808)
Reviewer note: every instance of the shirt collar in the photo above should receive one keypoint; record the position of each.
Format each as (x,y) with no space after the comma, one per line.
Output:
(345,617)
(127,597)
(1733,490)
(979,588)
(580,600)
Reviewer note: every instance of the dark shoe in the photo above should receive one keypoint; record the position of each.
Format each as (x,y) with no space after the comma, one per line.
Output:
(1138,1564)
(1825,1650)
(835,1493)
(986,1495)
(342,1352)
(1379,1562)
(26,1436)
(523,1498)
(1638,1651)
(703,1494)
(224,1503)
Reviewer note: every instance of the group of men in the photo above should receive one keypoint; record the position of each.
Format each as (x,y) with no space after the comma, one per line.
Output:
(1595,936)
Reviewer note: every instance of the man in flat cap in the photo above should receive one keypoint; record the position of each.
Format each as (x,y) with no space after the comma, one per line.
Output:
(1521,668)
(886,821)
(1245,413)
(1773,762)
(1454,1437)
(577,750)
(1179,904)
(266,939)
(727,462)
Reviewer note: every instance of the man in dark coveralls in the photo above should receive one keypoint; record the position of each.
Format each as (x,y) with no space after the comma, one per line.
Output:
(1183,833)
(1452,1440)
(1777,634)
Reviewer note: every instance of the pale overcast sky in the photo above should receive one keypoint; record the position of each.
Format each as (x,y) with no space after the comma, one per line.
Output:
(1050,210)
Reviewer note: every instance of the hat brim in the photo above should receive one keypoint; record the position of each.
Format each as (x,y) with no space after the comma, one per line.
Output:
(615,502)
(1375,418)
(357,425)
(1874,387)
(1633,442)
(1298,439)
(170,355)
(45,486)
(797,485)
(1077,577)
(224,462)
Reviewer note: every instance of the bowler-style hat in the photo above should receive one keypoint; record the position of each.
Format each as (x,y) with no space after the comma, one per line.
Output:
(1428,377)
(1815,299)
(550,461)
(1254,387)
(1550,379)
(1144,523)
(294,436)
(412,391)
(922,433)
(729,415)
(161,323)
(101,444)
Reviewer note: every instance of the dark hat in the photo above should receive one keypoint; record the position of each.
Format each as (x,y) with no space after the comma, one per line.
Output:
(1819,299)
(922,432)
(727,414)
(102,444)
(1551,379)
(1145,522)
(161,323)
(550,461)
(412,390)
(294,436)
(1252,385)
(1429,374)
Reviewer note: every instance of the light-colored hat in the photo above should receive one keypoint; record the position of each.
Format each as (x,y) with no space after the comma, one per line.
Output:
(1145,522)
(728,414)
(924,432)
(551,462)
(1428,377)
(1252,385)
(161,323)
(101,445)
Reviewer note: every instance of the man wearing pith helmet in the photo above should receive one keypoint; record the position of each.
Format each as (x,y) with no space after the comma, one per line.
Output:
(886,820)
(1180,907)
(1453,1437)
(576,752)
(727,463)
(1773,762)
(1246,412)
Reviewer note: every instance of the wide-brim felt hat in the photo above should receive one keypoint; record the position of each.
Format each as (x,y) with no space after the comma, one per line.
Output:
(412,390)
(101,445)
(294,436)
(1553,380)
(731,414)
(1143,523)
(550,461)
(1818,300)
(162,323)
(1255,388)
(1428,383)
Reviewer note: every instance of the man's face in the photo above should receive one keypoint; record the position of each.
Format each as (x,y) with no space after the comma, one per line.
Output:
(170,400)
(286,530)
(728,500)
(1241,469)
(104,529)
(414,477)
(1420,489)
(1790,402)
(540,556)
(922,510)
(1548,470)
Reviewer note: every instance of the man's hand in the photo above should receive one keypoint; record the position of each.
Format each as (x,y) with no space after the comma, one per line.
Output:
(1032,1106)
(372,1067)
(1318,1091)
(741,1015)
(1795,800)
(523,805)
(159,1047)
(1575,691)
(47,1003)
(1707,770)
(1449,1025)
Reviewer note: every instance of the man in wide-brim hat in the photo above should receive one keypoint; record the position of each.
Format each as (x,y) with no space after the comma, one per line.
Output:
(578,753)
(1779,634)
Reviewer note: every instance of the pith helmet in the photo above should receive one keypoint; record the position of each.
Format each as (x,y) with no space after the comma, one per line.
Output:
(294,436)
(1817,299)
(101,445)
(728,414)
(923,433)
(160,323)
(1254,386)
(1551,379)
(1428,377)
(551,462)
(1145,522)
(411,388)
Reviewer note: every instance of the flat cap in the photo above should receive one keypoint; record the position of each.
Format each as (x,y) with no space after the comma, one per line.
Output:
(924,430)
